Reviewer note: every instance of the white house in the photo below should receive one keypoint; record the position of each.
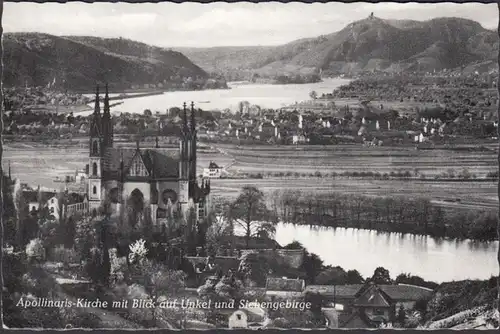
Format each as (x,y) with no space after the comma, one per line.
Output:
(238,319)
(213,171)
(80,176)
(54,209)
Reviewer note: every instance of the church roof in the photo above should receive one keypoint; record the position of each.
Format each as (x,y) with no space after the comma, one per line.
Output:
(160,163)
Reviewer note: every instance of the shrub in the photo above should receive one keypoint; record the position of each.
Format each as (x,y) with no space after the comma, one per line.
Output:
(65,255)
(35,250)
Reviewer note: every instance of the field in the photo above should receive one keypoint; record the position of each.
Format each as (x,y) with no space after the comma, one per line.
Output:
(355,158)
(38,164)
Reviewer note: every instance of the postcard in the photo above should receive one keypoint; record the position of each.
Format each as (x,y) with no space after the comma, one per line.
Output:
(250,166)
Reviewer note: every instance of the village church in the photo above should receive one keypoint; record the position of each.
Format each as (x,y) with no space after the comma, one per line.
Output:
(154,178)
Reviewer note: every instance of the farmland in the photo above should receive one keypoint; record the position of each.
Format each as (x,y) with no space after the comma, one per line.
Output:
(35,164)
(341,158)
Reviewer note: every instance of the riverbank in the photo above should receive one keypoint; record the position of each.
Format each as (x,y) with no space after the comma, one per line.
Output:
(365,250)
(406,215)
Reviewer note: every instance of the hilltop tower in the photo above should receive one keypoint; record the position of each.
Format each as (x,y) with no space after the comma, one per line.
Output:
(95,156)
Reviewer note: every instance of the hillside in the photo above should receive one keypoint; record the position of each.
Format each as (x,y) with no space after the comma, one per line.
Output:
(456,303)
(77,63)
(365,45)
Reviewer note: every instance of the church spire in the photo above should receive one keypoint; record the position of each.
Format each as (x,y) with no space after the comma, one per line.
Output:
(193,122)
(106,101)
(95,126)
(97,107)
(185,127)
(107,124)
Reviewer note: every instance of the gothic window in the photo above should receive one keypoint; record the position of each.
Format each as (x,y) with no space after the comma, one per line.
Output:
(169,194)
(95,147)
(94,190)
(94,168)
(138,168)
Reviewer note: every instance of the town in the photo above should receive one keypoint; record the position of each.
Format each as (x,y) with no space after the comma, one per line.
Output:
(89,247)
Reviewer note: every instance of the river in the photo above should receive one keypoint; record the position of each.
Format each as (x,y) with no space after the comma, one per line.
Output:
(364,250)
(263,95)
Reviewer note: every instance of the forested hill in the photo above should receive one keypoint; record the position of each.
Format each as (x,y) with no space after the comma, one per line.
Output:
(365,45)
(77,63)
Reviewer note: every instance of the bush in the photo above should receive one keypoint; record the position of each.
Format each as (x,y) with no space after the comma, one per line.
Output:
(35,250)
(65,255)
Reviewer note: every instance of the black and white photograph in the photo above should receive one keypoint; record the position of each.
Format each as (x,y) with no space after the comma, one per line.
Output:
(189,166)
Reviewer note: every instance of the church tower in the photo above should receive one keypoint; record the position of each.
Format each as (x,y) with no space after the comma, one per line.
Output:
(107,122)
(184,175)
(95,156)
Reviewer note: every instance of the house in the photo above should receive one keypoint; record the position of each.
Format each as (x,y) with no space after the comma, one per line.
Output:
(213,171)
(348,295)
(54,208)
(375,304)
(252,317)
(299,139)
(36,199)
(285,287)
(238,319)
(80,176)
(355,320)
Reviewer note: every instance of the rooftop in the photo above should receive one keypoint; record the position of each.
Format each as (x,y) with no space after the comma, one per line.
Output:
(285,284)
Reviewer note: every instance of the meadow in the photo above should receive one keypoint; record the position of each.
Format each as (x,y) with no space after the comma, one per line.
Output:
(38,164)
(356,158)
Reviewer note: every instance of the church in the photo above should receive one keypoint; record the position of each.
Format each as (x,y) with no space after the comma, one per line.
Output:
(144,178)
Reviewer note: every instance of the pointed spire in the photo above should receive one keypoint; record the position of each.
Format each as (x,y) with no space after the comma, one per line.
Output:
(106,102)
(185,118)
(97,107)
(193,121)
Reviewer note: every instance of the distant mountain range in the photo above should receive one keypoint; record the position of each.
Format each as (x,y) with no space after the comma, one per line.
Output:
(77,63)
(365,45)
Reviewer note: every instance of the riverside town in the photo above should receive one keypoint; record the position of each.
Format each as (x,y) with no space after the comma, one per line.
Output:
(173,166)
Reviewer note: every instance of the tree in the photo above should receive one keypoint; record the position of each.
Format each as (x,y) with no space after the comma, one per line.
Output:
(218,231)
(354,277)
(255,268)
(313,95)
(249,211)
(331,276)
(160,281)
(138,251)
(312,266)
(148,113)
(381,276)
(294,245)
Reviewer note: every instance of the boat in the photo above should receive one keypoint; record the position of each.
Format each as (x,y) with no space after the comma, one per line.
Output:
(204,102)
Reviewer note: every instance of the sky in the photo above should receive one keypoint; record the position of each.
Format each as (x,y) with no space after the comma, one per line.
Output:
(220,24)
